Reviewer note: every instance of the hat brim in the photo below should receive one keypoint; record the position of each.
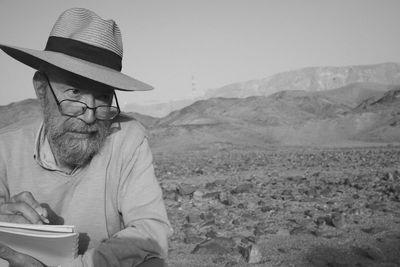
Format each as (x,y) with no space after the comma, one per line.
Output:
(99,73)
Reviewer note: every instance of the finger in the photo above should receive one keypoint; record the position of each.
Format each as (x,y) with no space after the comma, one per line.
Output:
(13,218)
(7,253)
(28,198)
(21,208)
(17,259)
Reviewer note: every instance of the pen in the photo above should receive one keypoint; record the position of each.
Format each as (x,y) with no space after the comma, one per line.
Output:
(44,219)
(41,212)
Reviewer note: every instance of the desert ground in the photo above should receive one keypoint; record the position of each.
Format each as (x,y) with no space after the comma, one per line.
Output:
(235,205)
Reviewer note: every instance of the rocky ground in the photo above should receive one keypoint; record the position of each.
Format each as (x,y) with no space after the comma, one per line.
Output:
(283,206)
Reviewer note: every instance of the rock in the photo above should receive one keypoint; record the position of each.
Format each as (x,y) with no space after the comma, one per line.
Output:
(251,205)
(372,253)
(197,198)
(283,232)
(258,230)
(211,233)
(299,230)
(323,220)
(242,205)
(169,194)
(251,254)
(338,220)
(235,222)
(212,185)
(192,239)
(373,230)
(388,177)
(286,192)
(193,218)
(225,198)
(248,239)
(231,263)
(198,171)
(326,192)
(219,260)
(308,213)
(207,216)
(191,236)
(185,189)
(213,195)
(267,208)
(242,188)
(198,195)
(215,246)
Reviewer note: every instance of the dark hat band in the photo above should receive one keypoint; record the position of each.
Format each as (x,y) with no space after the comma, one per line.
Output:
(84,51)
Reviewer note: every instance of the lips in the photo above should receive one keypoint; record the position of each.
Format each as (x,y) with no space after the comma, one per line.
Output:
(80,134)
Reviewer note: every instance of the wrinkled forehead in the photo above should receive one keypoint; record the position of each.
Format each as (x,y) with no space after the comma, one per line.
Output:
(68,79)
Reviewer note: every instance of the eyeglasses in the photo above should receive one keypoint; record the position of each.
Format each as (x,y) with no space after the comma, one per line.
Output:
(74,108)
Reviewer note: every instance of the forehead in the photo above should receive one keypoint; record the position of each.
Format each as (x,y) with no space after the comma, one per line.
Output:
(65,79)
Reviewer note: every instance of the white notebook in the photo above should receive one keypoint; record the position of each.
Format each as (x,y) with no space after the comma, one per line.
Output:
(51,244)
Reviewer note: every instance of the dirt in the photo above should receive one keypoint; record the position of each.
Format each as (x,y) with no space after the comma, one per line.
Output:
(282,206)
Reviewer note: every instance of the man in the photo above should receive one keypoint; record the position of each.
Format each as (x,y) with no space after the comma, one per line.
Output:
(82,163)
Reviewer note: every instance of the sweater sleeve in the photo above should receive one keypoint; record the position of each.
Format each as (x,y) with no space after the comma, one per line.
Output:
(146,227)
(4,192)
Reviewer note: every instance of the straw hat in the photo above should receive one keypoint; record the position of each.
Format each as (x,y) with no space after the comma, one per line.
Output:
(83,43)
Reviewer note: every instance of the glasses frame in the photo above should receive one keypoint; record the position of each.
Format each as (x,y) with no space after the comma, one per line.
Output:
(85,105)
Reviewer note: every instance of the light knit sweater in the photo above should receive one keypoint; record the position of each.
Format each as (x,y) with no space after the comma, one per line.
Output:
(115,201)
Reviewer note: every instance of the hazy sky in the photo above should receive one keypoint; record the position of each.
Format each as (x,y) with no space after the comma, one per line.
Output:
(171,43)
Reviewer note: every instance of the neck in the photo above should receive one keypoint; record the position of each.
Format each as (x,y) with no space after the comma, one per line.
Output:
(63,166)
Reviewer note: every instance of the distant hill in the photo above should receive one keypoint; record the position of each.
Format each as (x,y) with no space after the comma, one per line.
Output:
(367,111)
(14,112)
(283,108)
(305,79)
(159,109)
(312,79)
(355,93)
(289,118)
(30,108)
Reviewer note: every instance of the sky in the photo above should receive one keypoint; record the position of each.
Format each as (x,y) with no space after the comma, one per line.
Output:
(183,45)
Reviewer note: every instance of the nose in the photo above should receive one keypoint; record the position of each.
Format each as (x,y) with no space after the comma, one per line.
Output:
(89,115)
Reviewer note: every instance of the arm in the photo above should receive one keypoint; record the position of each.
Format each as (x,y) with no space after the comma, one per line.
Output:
(146,227)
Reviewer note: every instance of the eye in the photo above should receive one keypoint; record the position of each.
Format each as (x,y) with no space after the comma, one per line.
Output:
(73,92)
(106,98)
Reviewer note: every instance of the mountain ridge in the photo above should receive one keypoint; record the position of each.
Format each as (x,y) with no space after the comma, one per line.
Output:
(312,79)
(318,78)
(356,112)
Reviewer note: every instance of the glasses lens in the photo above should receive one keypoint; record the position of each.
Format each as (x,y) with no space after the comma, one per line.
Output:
(106,112)
(72,108)
(76,108)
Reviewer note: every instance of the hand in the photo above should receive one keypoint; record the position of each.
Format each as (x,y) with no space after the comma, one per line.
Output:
(16,259)
(22,208)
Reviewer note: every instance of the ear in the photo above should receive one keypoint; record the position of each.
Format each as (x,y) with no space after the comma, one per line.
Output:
(40,85)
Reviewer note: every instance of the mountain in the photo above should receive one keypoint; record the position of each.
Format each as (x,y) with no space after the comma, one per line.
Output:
(159,109)
(28,108)
(147,121)
(282,108)
(305,79)
(291,117)
(357,112)
(312,79)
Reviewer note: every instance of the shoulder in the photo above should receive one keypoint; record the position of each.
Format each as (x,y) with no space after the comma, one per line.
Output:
(18,138)
(127,132)
(27,127)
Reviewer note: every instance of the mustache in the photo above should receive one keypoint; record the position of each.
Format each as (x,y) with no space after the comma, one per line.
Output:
(76,125)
